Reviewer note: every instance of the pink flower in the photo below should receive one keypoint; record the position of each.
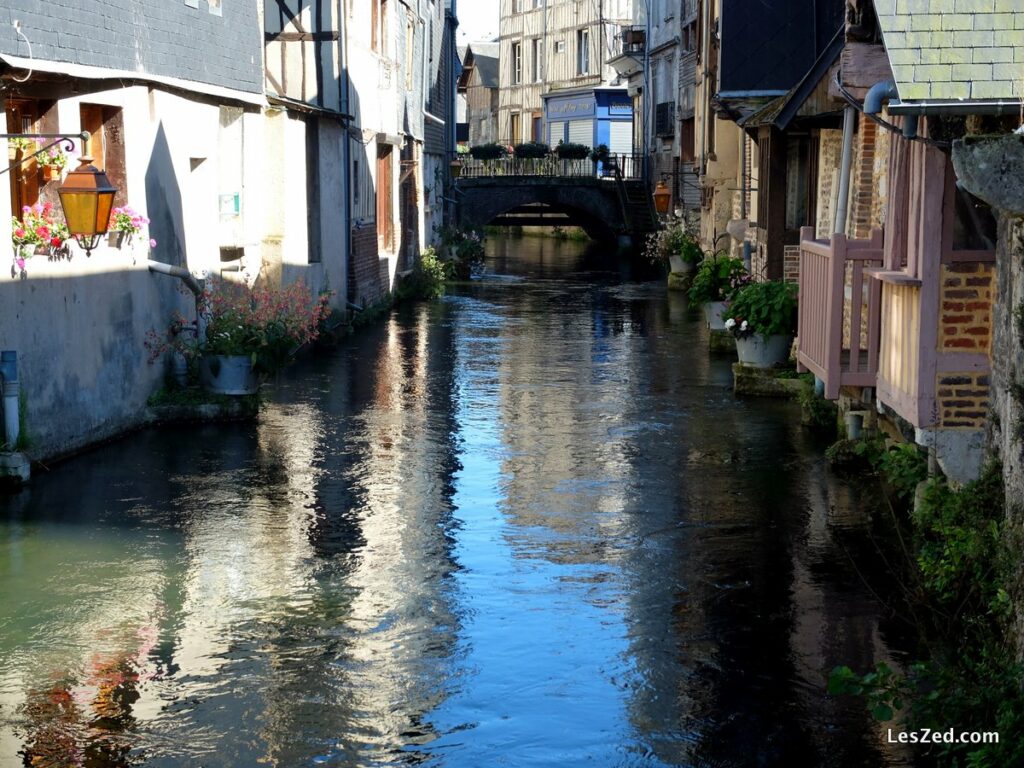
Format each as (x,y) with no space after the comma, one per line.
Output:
(21,263)
(152,243)
(19,233)
(43,232)
(56,242)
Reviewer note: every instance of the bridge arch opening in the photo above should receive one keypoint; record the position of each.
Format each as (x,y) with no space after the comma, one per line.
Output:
(537,214)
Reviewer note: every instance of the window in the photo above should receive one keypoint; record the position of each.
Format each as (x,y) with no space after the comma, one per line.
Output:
(559,46)
(385,201)
(22,117)
(538,59)
(517,63)
(106,144)
(314,239)
(664,118)
(582,51)
(690,37)
(686,141)
(379,25)
(515,129)
(517,6)
(214,6)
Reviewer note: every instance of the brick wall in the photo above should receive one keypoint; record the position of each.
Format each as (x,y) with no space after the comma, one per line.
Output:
(791,263)
(862,180)
(880,178)
(966,308)
(963,399)
(157,37)
(368,275)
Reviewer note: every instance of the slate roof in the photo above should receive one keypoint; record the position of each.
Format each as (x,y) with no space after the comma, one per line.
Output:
(954,49)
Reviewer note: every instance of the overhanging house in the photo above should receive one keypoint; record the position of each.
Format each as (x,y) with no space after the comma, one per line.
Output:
(908,316)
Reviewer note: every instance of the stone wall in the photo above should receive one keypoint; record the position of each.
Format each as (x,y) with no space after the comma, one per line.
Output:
(963,399)
(1007,422)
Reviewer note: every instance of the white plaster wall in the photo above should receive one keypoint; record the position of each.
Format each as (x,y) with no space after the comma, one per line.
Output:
(79,326)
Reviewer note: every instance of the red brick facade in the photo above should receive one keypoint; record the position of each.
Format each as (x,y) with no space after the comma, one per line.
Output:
(965,321)
(368,272)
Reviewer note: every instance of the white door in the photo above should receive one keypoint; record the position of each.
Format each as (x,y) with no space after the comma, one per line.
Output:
(556,133)
(620,141)
(581,132)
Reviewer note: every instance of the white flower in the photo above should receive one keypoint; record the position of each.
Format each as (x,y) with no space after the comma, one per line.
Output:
(743,325)
(730,324)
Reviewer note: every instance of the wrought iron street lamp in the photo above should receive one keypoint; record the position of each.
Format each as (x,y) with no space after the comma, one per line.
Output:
(662,198)
(87,197)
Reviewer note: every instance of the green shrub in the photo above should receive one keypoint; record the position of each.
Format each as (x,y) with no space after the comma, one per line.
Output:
(768,308)
(428,279)
(531,150)
(572,151)
(491,151)
(717,279)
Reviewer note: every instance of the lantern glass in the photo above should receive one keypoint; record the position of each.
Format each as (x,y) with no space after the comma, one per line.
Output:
(662,198)
(87,197)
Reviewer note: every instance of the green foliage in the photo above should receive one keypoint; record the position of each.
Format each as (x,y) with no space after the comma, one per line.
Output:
(962,561)
(769,308)
(717,279)
(903,466)
(850,453)
(600,153)
(531,150)
(817,412)
(490,151)
(572,151)
(676,239)
(428,279)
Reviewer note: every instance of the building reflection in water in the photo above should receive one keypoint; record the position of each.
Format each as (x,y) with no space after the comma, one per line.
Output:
(528,524)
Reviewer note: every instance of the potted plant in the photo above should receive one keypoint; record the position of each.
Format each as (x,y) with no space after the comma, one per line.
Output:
(125,223)
(600,153)
(55,162)
(677,246)
(39,231)
(718,278)
(572,151)
(251,333)
(20,146)
(489,151)
(763,320)
(531,150)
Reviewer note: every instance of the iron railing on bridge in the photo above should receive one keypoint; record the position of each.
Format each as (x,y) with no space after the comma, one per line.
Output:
(629,167)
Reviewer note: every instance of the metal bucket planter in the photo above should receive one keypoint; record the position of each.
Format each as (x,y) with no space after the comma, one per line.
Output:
(758,352)
(228,375)
(714,313)
(676,263)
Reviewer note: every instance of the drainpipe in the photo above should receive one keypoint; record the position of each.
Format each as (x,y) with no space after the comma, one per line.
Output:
(346,149)
(843,201)
(9,374)
(191,283)
(878,94)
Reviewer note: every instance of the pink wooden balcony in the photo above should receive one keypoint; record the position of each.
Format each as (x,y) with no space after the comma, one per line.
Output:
(840,310)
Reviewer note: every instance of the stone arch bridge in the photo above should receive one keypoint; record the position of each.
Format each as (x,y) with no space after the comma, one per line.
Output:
(511,192)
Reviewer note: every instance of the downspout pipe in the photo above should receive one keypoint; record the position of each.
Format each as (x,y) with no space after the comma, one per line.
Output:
(11,395)
(186,277)
(878,94)
(843,198)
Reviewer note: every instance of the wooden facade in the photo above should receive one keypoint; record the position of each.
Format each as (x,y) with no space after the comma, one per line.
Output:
(573,41)
(302,51)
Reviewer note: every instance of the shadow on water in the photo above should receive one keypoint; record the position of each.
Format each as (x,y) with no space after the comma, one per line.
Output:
(526,525)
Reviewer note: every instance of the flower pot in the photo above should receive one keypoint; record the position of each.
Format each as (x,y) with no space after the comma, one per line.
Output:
(116,238)
(757,351)
(228,374)
(456,168)
(714,312)
(52,172)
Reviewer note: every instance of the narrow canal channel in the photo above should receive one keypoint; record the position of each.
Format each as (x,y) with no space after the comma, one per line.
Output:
(527,525)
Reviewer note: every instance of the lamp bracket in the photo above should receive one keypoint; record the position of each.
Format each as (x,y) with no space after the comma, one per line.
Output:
(67,138)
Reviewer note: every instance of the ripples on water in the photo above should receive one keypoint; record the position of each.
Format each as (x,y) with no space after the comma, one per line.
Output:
(528,525)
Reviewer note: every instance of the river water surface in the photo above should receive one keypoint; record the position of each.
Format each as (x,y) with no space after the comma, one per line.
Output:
(526,525)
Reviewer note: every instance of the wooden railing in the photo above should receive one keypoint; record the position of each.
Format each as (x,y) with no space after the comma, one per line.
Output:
(630,167)
(838,331)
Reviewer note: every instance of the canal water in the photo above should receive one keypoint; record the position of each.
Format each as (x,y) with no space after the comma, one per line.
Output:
(526,525)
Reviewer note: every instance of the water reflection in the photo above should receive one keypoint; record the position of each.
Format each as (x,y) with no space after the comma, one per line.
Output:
(527,525)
